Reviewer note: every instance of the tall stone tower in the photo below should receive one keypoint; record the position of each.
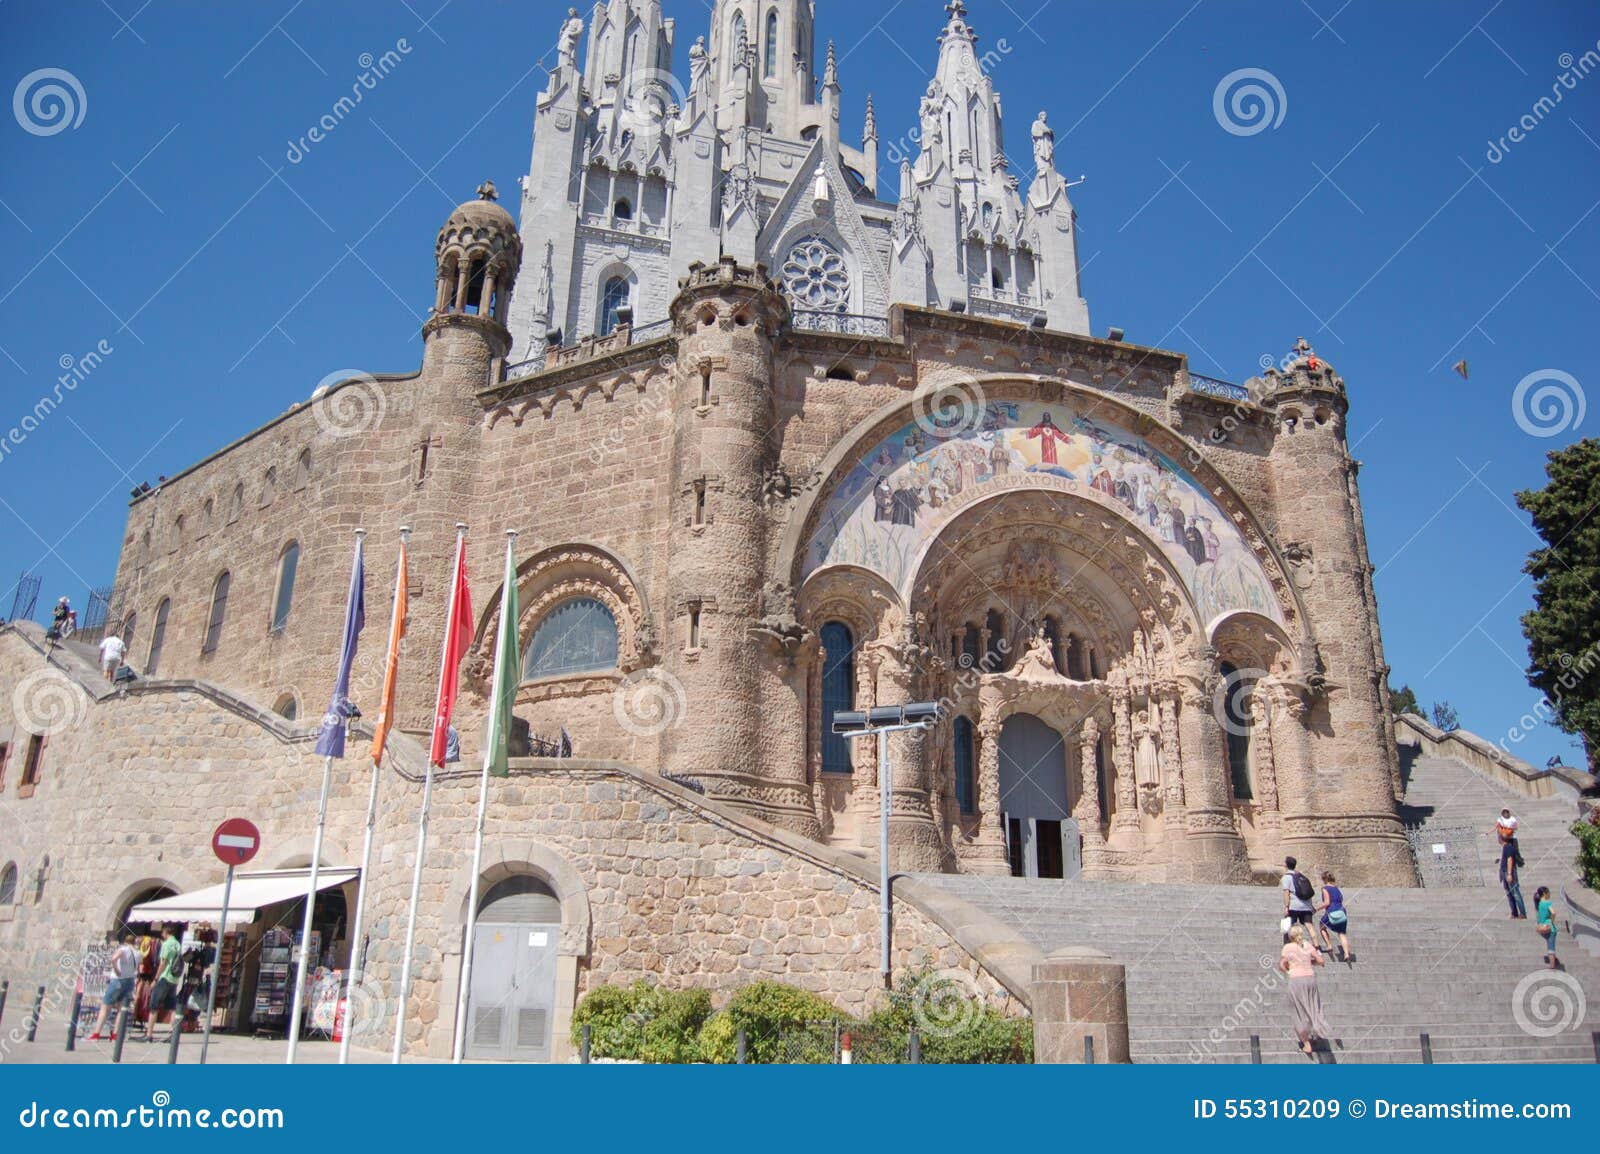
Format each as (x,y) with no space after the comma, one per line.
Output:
(726,317)
(1350,730)
(465,343)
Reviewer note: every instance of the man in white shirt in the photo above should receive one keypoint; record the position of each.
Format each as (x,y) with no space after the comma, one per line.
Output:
(112,650)
(1297,908)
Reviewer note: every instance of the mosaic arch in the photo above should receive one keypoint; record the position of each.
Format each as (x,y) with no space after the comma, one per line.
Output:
(905,489)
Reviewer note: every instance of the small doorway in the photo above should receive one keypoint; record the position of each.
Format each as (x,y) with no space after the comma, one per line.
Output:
(1041,837)
(512,1004)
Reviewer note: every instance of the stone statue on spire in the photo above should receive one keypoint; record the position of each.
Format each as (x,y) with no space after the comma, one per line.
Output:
(567,45)
(1044,144)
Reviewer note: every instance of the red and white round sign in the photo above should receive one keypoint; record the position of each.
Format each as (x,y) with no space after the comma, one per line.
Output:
(236,841)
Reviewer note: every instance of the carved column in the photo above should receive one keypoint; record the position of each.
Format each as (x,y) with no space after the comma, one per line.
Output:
(864,754)
(1125,821)
(989,848)
(1261,748)
(1216,851)
(1088,810)
(1171,762)
(914,841)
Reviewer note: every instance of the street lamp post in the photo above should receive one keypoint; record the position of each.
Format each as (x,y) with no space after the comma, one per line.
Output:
(880,723)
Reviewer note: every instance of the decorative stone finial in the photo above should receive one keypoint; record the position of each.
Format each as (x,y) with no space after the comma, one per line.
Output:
(871,130)
(830,70)
(486,191)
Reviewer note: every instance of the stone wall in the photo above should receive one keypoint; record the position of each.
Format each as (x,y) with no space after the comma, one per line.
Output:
(655,882)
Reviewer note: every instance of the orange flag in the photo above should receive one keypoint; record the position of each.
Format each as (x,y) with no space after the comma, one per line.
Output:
(397,632)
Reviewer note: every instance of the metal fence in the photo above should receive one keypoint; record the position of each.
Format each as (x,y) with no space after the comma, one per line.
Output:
(26,598)
(1447,855)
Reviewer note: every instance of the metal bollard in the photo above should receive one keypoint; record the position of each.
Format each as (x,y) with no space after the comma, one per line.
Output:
(175,1038)
(1088,1049)
(72,1022)
(5,988)
(33,1019)
(583,1046)
(1427,1050)
(741,1048)
(121,1032)
(915,1047)
(1255,1049)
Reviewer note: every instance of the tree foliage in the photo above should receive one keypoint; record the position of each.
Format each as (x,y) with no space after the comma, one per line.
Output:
(1445,717)
(1404,700)
(1562,630)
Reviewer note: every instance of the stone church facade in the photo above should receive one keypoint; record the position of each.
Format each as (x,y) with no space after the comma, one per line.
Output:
(869,454)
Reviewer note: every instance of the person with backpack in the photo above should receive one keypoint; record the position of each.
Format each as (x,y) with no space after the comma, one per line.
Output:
(1546,925)
(1335,918)
(1511,879)
(1298,893)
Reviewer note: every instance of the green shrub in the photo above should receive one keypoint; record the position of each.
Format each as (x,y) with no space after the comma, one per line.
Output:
(642,1023)
(1588,834)
(955,1028)
(780,1023)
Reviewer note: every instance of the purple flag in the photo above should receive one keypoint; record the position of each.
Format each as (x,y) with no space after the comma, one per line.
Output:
(330,739)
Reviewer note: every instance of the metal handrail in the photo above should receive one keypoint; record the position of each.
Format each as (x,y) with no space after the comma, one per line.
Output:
(1213,387)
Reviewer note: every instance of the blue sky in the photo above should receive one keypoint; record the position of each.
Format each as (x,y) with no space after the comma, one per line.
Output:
(227,281)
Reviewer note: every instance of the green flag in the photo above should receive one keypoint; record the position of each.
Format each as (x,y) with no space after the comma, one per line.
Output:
(507,673)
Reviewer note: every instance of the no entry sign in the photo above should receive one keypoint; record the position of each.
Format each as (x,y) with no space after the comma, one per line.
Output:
(236,841)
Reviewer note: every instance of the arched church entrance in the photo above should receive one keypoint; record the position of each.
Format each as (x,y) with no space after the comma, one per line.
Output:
(512,1003)
(1042,839)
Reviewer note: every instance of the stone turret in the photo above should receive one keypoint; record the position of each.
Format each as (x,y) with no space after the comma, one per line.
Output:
(726,317)
(1351,742)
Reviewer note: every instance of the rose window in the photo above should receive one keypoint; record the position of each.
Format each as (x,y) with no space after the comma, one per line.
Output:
(816,275)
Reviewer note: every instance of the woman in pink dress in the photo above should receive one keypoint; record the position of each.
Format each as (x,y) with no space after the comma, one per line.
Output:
(1299,960)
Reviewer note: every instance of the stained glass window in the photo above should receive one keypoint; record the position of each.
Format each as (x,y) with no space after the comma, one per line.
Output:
(579,636)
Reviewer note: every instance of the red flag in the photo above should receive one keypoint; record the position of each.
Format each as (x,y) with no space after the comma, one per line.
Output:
(457,636)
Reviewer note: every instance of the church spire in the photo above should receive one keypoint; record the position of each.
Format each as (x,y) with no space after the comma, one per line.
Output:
(870,131)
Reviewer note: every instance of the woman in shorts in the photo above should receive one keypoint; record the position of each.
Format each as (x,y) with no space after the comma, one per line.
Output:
(120,971)
(1335,918)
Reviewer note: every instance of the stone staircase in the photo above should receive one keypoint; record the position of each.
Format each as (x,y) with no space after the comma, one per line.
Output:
(1448,962)
(1444,795)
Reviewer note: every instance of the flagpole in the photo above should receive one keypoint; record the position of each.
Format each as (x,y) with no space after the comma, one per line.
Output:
(465,989)
(357,966)
(422,824)
(311,892)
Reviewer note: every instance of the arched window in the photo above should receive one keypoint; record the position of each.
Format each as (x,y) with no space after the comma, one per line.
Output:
(613,299)
(998,657)
(771,65)
(520,900)
(302,468)
(966,802)
(622,210)
(219,612)
(579,636)
(128,623)
(971,647)
(838,692)
(286,707)
(177,533)
(1236,722)
(158,637)
(236,505)
(988,216)
(269,486)
(997,277)
(8,884)
(739,37)
(206,513)
(283,602)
